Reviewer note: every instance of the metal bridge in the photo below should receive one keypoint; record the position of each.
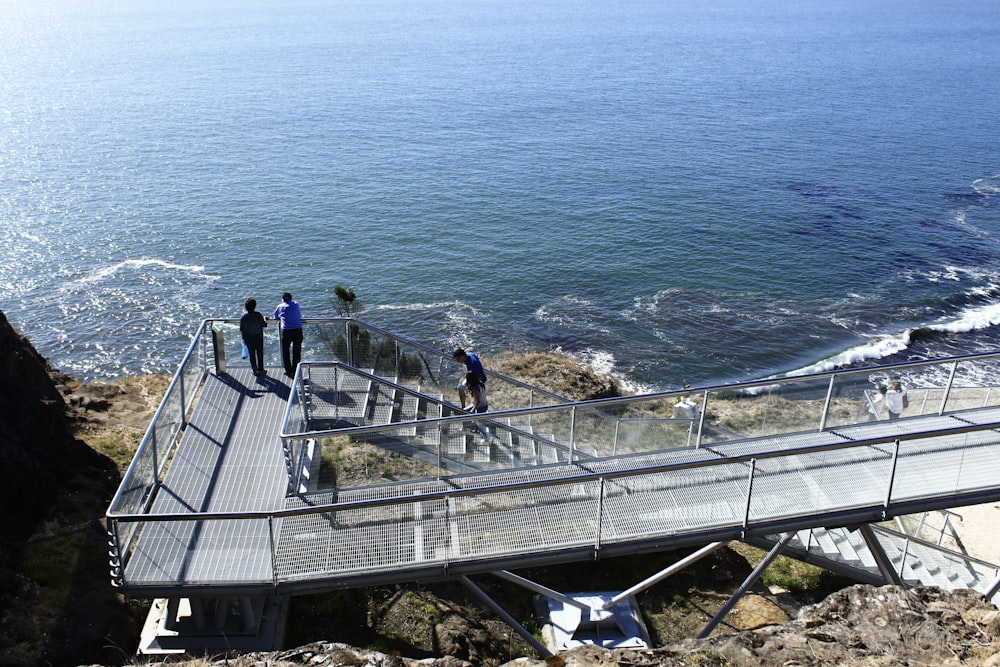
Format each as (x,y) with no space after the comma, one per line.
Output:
(238,496)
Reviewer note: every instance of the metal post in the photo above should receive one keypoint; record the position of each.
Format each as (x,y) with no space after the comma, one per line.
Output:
(507,618)
(614,445)
(992,590)
(183,394)
(701,419)
(274,553)
(440,440)
(600,520)
(746,514)
(902,559)
(572,429)
(350,343)
(881,558)
(947,387)
(892,478)
(538,588)
(826,403)
(745,586)
(219,348)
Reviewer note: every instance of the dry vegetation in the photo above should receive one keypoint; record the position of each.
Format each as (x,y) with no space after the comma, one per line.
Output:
(112,417)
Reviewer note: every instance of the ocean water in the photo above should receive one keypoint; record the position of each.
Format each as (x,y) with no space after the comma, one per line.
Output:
(677,191)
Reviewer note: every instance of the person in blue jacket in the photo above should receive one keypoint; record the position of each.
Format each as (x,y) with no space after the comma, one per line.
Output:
(472,365)
(289,315)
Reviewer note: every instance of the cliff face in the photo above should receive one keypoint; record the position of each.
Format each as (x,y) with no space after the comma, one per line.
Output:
(42,465)
(56,602)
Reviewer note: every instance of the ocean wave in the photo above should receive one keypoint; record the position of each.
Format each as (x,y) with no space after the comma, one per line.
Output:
(977,317)
(987,186)
(888,345)
(423,307)
(103,273)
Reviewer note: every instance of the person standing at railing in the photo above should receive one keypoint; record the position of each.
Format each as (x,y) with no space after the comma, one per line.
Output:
(252,330)
(874,402)
(289,315)
(896,399)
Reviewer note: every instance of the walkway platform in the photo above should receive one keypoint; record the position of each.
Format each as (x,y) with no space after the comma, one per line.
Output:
(221,511)
(230,461)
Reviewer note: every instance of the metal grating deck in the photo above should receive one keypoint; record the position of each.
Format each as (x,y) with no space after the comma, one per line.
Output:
(230,460)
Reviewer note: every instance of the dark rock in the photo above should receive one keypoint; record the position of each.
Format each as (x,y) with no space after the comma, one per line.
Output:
(54,490)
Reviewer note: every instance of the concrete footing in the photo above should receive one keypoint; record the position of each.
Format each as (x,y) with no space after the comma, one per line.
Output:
(197,626)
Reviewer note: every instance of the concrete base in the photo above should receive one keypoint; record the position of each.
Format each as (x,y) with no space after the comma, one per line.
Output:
(213,626)
(569,626)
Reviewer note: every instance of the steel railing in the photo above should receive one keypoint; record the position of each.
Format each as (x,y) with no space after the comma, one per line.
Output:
(749,412)
(761,508)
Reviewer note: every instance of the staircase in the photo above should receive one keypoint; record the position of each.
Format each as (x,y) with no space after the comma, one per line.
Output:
(344,397)
(917,561)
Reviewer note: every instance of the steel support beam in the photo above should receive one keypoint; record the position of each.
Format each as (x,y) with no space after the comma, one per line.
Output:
(507,618)
(881,558)
(745,586)
(666,572)
(538,588)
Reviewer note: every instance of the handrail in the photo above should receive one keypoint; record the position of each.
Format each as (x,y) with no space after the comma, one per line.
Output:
(581,474)
(462,416)
(413,343)
(151,429)
(936,547)
(600,405)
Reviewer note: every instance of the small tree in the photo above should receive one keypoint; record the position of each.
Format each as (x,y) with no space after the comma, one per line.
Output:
(347,302)
(348,306)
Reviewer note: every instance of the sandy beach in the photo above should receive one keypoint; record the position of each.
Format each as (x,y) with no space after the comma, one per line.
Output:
(977,529)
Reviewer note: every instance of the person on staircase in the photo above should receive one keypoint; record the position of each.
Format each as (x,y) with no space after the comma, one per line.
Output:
(479,404)
(896,399)
(874,402)
(472,365)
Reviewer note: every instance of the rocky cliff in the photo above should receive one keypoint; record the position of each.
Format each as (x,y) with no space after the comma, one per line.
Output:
(56,604)
(860,626)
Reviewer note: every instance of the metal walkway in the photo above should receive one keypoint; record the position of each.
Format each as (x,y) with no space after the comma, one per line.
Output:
(219,500)
(229,460)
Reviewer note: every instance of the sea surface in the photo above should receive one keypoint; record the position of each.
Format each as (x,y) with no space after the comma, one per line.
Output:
(678,191)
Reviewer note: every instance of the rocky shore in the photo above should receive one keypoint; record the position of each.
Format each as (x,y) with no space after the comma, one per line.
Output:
(62,448)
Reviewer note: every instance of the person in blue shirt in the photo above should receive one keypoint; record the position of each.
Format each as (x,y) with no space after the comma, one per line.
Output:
(472,365)
(252,330)
(289,315)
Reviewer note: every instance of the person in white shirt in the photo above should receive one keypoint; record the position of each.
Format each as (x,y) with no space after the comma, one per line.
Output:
(874,403)
(896,399)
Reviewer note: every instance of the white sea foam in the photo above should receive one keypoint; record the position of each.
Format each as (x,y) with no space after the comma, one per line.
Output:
(987,186)
(564,310)
(424,307)
(105,272)
(978,317)
(880,347)
(603,362)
